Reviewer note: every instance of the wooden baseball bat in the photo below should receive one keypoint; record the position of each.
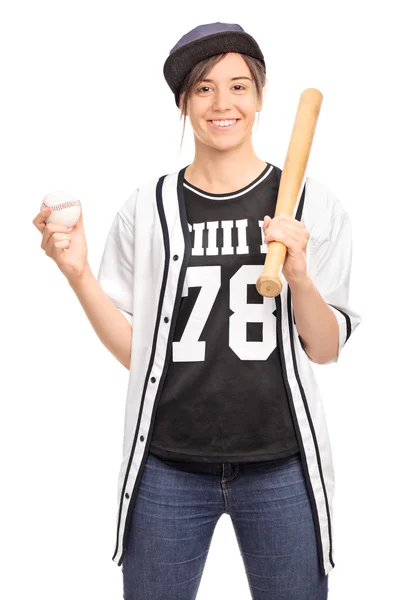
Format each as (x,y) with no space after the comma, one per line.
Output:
(269,283)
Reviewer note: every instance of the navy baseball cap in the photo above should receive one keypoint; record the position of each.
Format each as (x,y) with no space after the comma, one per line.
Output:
(201,43)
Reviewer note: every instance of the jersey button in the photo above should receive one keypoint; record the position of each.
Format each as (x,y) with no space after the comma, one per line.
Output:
(153,380)
(166,319)
(176,257)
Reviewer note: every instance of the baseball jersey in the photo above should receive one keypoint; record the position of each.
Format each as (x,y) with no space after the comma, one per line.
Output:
(143,270)
(224,397)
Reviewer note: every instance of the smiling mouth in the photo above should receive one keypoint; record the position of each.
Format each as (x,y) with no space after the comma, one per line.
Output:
(231,125)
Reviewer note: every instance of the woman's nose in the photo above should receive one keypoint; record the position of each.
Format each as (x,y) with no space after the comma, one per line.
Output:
(221,100)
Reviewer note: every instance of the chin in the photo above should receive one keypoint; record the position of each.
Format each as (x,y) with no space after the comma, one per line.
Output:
(227,144)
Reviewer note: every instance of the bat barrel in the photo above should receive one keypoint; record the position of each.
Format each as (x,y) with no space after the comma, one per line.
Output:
(269,283)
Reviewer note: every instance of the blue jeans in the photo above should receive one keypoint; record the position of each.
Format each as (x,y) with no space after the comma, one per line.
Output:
(175,513)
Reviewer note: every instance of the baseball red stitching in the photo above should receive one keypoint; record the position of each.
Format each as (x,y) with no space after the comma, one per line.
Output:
(61,206)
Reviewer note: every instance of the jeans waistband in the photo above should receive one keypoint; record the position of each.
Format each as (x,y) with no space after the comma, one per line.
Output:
(217,468)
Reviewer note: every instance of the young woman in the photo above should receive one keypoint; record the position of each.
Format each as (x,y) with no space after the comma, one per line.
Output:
(223,413)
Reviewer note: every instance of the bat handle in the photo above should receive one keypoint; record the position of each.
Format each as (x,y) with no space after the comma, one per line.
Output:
(269,283)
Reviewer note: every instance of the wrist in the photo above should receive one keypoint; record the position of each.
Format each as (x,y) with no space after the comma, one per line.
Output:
(302,284)
(77,279)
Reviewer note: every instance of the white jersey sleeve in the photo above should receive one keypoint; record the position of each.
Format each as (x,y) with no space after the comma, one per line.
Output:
(116,267)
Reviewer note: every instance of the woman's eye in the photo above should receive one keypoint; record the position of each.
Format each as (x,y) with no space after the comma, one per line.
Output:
(206,87)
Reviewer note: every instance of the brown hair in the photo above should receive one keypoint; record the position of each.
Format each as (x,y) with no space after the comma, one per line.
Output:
(202,68)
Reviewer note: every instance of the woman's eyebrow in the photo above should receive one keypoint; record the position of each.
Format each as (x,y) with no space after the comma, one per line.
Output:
(233,79)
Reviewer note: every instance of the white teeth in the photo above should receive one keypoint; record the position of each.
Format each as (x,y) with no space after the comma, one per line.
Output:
(224,123)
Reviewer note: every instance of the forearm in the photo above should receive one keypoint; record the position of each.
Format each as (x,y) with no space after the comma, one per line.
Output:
(315,322)
(110,325)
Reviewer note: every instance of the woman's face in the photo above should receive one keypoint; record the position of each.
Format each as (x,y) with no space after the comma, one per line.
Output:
(227,93)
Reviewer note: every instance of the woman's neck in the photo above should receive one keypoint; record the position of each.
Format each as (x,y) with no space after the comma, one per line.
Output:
(223,173)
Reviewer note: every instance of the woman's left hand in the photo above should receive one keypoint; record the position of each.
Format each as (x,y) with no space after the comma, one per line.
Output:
(294,235)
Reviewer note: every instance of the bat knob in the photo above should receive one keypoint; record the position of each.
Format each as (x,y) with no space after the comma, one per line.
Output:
(269,286)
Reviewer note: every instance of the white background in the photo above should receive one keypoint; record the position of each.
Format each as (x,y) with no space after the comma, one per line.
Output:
(85,108)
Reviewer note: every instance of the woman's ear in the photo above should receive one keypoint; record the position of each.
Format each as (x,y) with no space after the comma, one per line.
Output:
(260,101)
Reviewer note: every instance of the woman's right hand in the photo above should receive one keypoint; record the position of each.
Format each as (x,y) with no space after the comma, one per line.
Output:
(68,249)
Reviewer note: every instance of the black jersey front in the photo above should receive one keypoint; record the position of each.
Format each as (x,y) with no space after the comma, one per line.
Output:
(224,398)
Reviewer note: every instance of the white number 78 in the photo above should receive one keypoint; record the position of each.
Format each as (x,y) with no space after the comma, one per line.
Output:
(208,278)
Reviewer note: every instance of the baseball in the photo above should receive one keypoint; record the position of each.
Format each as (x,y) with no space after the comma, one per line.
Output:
(65,208)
